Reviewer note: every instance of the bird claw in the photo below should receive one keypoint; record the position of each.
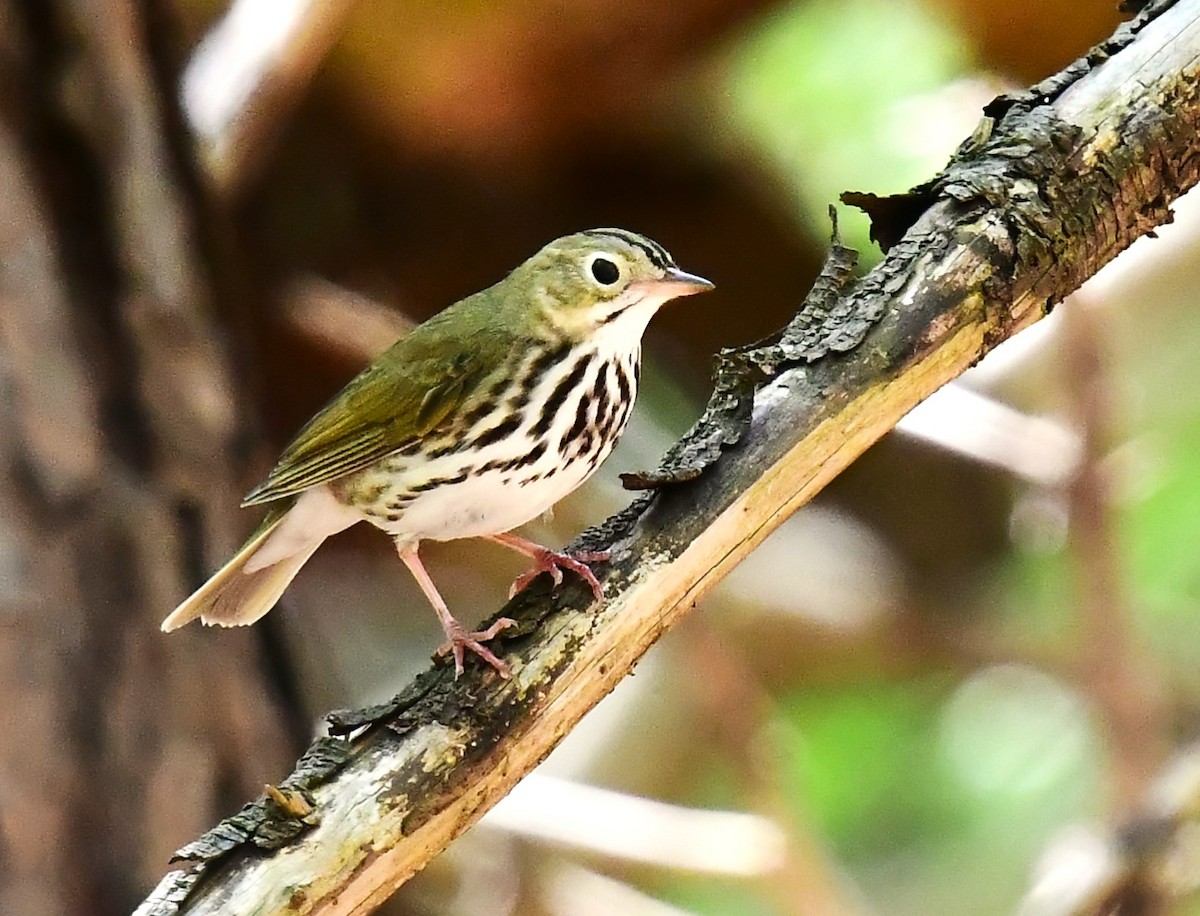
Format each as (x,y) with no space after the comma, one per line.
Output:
(459,639)
(554,562)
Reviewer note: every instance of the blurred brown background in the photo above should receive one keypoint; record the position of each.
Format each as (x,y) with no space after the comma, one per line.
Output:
(212,215)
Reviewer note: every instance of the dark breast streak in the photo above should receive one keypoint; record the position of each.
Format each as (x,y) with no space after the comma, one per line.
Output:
(592,401)
(600,411)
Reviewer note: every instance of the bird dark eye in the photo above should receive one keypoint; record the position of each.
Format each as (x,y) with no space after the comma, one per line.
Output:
(605,271)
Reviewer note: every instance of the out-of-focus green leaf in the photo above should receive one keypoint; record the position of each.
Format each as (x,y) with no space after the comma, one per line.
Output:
(1163,550)
(864,764)
(936,792)
(821,87)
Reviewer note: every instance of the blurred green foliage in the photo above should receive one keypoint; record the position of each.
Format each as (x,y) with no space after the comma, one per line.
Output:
(938,790)
(821,88)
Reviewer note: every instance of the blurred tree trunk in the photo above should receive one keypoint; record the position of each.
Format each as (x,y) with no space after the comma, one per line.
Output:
(119,432)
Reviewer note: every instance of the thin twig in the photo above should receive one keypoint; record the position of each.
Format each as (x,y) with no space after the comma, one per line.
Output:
(1112,666)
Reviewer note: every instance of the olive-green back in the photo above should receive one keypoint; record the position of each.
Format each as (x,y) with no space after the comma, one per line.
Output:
(415,388)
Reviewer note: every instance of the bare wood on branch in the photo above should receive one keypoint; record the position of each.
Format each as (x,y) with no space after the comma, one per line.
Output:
(1055,183)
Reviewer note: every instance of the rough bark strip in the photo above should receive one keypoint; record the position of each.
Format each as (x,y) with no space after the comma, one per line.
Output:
(741,371)
(1035,204)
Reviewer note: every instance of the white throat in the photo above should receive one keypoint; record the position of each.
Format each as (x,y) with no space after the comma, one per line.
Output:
(623,333)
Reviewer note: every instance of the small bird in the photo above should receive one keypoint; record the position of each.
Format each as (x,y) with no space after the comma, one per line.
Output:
(477,421)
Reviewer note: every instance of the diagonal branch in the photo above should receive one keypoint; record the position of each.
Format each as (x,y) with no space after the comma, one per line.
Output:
(1055,183)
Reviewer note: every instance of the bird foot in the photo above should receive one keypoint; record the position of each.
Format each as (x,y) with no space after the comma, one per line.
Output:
(459,640)
(554,562)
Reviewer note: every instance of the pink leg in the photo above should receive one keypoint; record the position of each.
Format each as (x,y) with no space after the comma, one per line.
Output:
(553,562)
(458,637)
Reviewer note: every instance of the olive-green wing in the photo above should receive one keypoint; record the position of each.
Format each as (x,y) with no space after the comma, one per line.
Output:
(408,393)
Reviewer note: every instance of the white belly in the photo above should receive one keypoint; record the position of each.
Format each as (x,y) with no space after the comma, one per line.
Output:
(487,504)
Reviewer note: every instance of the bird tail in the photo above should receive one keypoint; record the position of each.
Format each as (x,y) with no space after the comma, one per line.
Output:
(237,596)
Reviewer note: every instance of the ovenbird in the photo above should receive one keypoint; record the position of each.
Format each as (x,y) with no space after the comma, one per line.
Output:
(477,421)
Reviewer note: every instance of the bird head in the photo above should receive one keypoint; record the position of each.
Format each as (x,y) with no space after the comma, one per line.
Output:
(603,279)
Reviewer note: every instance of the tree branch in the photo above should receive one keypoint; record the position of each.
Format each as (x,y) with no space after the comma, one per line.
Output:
(1055,183)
